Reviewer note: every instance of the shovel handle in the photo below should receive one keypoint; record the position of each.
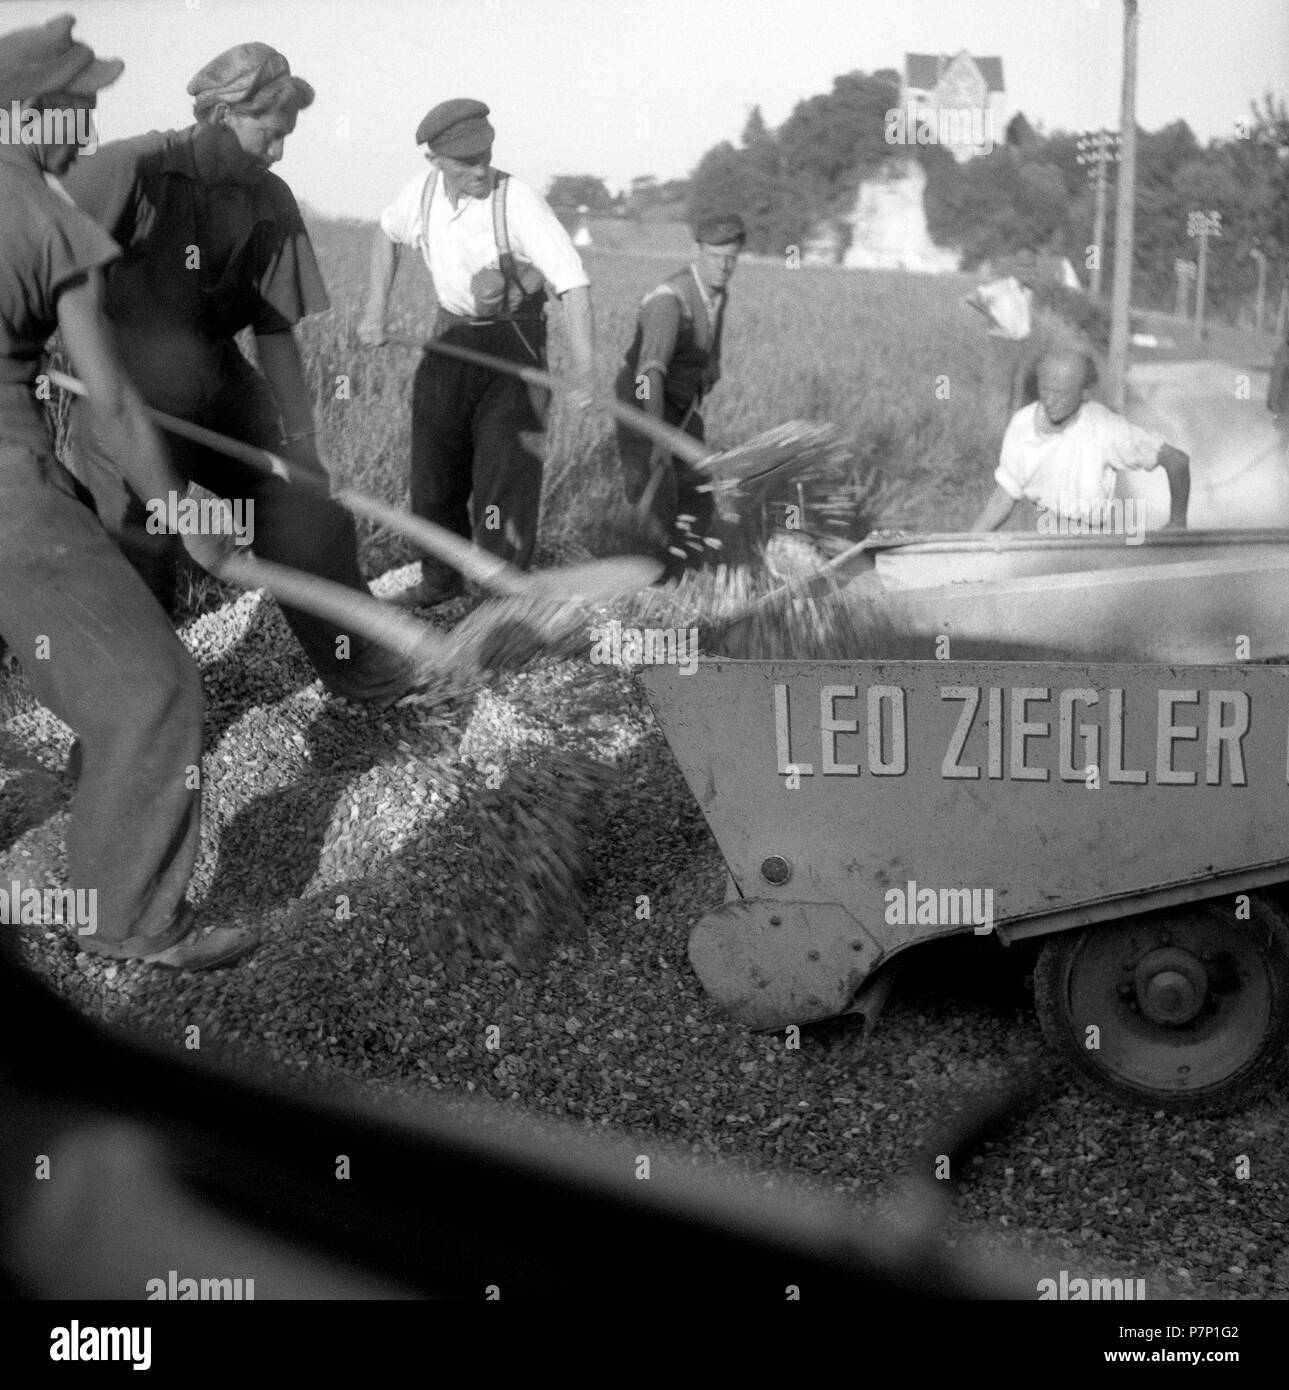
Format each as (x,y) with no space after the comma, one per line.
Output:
(487,570)
(661,433)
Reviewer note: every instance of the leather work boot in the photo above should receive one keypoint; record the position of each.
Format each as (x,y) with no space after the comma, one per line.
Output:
(219,946)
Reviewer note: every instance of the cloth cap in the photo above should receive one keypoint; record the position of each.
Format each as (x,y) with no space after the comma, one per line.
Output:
(458,128)
(238,73)
(719,229)
(46,59)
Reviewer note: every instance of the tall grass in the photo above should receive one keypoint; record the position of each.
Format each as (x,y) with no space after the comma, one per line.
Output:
(897,361)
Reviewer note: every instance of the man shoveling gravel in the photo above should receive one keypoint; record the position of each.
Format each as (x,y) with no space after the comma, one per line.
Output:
(96,648)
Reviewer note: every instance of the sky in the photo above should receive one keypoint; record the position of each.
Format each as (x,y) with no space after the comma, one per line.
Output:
(621,88)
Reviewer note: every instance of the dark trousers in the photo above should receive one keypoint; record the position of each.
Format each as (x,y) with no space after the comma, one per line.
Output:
(99,653)
(477,441)
(677,491)
(296,524)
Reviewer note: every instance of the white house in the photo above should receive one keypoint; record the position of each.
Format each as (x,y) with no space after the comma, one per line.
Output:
(961,98)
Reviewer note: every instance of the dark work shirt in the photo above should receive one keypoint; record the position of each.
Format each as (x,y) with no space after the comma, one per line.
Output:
(45,244)
(677,336)
(201,261)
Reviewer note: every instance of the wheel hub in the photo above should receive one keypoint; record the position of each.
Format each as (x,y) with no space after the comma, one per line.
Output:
(1171,986)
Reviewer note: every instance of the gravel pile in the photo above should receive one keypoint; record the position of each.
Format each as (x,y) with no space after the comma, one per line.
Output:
(412,946)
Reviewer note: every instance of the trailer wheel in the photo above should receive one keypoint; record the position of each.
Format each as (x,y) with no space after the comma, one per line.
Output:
(1184,1010)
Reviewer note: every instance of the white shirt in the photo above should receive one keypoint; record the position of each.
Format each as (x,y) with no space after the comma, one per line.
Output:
(1071,471)
(459,242)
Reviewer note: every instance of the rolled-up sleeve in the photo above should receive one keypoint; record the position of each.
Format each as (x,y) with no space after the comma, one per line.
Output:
(1012,473)
(73,246)
(537,235)
(659,327)
(401,220)
(1129,446)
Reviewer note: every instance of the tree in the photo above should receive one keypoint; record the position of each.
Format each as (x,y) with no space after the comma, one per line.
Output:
(1263,161)
(1019,132)
(1030,191)
(745,182)
(755,131)
(830,142)
(651,200)
(580,190)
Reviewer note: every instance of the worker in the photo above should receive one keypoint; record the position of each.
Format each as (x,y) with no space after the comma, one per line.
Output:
(95,647)
(491,244)
(1063,452)
(672,364)
(214,243)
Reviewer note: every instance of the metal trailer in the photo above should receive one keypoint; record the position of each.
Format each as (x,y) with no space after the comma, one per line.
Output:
(1133,814)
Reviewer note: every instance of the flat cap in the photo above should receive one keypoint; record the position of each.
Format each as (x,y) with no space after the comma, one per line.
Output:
(458,128)
(238,73)
(719,229)
(46,59)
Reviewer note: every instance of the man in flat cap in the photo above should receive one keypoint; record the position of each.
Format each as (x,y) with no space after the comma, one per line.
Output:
(492,244)
(95,647)
(672,364)
(214,243)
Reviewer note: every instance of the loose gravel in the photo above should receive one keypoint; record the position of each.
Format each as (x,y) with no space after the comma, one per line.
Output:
(413,946)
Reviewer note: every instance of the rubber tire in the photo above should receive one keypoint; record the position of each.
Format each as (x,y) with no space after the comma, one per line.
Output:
(1233,1092)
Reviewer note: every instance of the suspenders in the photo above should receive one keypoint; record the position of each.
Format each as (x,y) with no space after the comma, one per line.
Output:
(500,231)
(501,235)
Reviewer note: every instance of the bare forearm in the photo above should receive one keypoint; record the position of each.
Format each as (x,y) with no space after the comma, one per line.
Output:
(580,324)
(995,511)
(1177,466)
(283,370)
(383,268)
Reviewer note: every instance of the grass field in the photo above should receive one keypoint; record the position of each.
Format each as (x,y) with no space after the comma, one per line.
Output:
(897,361)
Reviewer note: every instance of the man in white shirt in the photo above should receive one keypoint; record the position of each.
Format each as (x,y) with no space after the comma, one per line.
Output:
(491,244)
(1063,452)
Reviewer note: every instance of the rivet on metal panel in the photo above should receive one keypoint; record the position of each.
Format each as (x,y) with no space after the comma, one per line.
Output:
(776,869)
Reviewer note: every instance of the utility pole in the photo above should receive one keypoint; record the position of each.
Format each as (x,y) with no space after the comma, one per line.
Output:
(1185,272)
(1202,225)
(1260,303)
(1121,291)
(1096,150)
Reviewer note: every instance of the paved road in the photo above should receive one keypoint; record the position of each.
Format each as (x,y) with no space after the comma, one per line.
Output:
(1217,414)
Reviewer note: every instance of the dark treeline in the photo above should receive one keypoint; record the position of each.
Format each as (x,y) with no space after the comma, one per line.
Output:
(1030,192)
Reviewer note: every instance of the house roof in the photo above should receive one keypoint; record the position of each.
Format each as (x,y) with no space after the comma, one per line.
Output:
(922,70)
